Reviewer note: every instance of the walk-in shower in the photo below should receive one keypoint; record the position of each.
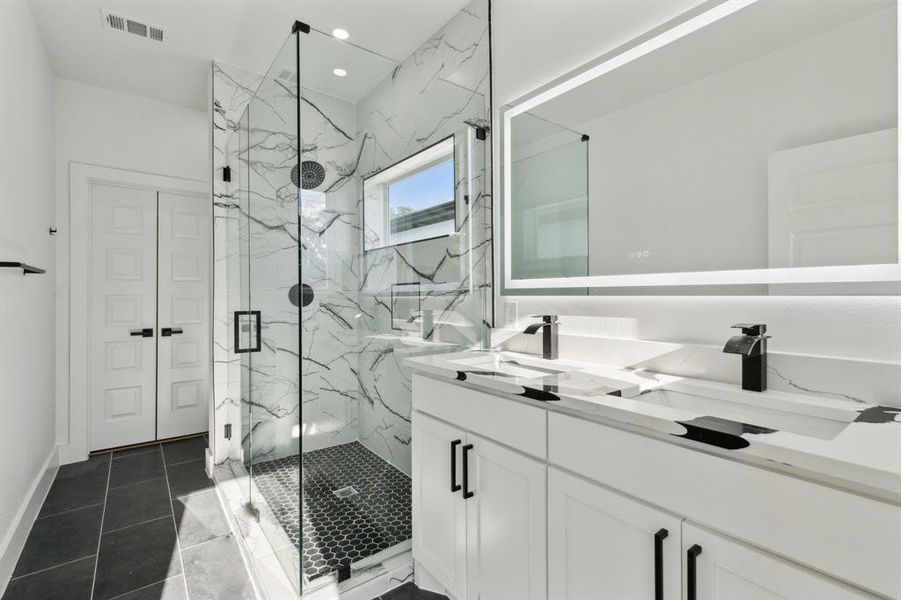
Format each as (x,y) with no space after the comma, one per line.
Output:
(354,231)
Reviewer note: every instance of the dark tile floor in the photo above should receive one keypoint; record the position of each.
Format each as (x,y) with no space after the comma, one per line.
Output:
(333,530)
(409,591)
(139,524)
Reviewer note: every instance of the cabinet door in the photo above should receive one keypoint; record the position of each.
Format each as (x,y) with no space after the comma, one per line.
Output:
(439,514)
(604,546)
(506,523)
(725,569)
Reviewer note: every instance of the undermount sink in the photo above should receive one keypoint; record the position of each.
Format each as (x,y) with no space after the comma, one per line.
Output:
(504,366)
(760,411)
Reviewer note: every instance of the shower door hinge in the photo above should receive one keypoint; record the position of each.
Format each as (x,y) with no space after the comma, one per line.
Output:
(481,133)
(228,431)
(226,173)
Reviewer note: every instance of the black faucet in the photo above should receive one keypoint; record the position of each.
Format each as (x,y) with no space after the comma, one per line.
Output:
(751,345)
(549,341)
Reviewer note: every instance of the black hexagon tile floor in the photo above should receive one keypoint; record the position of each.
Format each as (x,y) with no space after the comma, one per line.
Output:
(355,504)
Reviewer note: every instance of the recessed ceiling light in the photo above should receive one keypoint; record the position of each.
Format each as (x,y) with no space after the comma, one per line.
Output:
(339,72)
(341,34)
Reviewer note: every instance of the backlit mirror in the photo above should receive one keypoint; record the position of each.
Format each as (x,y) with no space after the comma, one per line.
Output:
(753,145)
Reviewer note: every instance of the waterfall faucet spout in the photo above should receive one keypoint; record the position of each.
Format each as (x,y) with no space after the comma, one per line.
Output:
(751,346)
(550,345)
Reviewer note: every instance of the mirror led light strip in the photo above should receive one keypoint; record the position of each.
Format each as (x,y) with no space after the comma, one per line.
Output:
(837,274)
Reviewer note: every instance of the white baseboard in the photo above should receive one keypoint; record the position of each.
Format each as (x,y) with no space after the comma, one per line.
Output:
(69,454)
(12,545)
(428,582)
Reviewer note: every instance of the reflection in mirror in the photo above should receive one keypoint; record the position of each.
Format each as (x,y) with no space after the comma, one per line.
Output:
(549,170)
(766,139)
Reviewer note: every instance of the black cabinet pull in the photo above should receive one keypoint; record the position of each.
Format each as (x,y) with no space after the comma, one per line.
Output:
(146,332)
(691,587)
(658,563)
(455,487)
(466,492)
(167,331)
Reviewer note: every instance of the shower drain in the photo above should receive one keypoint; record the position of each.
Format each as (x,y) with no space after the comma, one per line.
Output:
(345,492)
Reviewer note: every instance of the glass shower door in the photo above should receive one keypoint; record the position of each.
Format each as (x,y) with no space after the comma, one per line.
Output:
(267,327)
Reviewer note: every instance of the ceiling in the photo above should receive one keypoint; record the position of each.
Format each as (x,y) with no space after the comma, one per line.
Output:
(241,33)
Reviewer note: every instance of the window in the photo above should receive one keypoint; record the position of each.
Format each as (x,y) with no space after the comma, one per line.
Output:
(412,200)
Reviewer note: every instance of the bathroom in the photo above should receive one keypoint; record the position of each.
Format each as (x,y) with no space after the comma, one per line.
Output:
(449,300)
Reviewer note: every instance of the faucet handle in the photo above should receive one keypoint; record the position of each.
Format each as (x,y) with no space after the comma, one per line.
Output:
(546,318)
(751,328)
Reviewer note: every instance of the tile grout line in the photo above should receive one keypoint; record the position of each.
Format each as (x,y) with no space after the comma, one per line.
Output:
(109,472)
(69,510)
(181,560)
(149,585)
(215,539)
(135,524)
(63,564)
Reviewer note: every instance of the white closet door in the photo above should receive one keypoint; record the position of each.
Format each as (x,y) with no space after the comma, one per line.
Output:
(184,314)
(122,362)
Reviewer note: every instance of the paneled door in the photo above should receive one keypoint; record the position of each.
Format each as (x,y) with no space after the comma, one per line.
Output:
(718,568)
(506,516)
(605,546)
(122,313)
(183,315)
(439,510)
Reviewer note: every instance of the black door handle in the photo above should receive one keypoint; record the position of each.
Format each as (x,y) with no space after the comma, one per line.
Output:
(658,563)
(146,332)
(455,487)
(466,492)
(691,587)
(167,331)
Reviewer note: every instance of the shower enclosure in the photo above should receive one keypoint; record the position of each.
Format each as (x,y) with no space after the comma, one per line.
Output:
(357,233)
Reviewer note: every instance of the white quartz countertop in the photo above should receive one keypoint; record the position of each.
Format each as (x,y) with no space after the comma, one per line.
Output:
(839,442)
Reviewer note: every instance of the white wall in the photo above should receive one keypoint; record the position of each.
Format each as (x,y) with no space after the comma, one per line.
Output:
(112,129)
(528,53)
(26,302)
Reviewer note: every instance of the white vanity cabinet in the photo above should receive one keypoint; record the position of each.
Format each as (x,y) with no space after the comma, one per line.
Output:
(439,514)
(560,508)
(723,569)
(606,546)
(479,514)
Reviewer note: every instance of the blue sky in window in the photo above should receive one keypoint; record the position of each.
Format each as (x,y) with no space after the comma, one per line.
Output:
(425,189)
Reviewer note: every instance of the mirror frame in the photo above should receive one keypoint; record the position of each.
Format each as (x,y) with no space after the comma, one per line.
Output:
(691,21)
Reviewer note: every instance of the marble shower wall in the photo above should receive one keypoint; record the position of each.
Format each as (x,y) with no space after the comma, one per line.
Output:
(266,218)
(353,384)
(270,426)
(442,89)
(232,89)
(329,265)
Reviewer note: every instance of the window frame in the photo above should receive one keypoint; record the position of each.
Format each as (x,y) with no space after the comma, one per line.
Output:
(411,173)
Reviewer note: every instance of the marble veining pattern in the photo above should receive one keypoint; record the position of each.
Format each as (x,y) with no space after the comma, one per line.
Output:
(441,90)
(850,442)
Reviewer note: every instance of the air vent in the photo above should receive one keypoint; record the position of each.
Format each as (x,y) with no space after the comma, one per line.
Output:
(116,22)
(120,23)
